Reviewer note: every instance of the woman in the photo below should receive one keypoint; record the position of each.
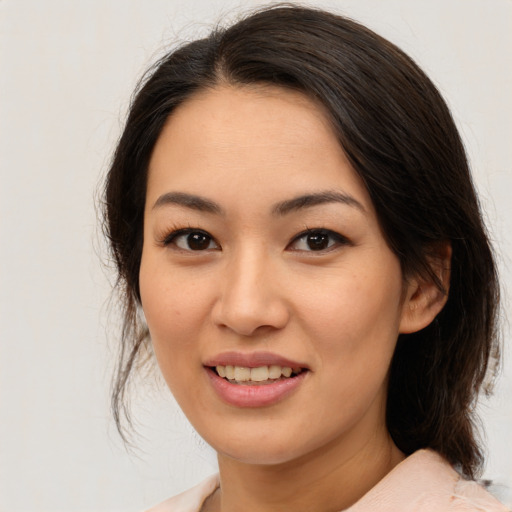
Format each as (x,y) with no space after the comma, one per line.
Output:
(290,206)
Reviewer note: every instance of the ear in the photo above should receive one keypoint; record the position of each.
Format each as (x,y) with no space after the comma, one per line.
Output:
(423,299)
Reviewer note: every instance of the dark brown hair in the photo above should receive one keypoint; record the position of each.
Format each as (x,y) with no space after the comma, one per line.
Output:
(400,138)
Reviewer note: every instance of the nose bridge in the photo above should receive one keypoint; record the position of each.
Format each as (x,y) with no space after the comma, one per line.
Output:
(251,297)
(246,269)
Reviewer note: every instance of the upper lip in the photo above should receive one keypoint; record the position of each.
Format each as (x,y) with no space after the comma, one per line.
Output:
(252,360)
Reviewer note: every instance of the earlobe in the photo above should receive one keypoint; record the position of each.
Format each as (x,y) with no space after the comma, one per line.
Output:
(425,298)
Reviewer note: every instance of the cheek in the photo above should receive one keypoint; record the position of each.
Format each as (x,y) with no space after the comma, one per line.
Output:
(355,316)
(172,301)
(174,319)
(353,329)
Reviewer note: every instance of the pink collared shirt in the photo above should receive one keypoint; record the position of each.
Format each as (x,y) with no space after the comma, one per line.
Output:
(423,482)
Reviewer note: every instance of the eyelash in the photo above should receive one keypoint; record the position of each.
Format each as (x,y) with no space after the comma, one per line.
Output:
(334,239)
(176,233)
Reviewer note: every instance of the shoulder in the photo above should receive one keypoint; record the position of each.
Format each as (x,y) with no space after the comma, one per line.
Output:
(191,500)
(470,495)
(424,482)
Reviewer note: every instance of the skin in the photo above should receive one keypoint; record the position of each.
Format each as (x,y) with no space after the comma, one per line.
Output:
(258,286)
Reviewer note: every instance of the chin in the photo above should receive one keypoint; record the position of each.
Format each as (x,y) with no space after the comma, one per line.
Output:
(260,447)
(256,456)
(249,445)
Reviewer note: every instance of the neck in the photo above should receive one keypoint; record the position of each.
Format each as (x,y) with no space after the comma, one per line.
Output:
(329,480)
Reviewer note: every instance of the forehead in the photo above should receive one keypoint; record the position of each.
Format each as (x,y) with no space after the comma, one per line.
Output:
(253,114)
(250,138)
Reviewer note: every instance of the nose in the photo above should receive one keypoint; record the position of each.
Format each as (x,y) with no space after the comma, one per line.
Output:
(251,300)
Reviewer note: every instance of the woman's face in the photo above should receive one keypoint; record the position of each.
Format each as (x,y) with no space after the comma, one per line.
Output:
(262,252)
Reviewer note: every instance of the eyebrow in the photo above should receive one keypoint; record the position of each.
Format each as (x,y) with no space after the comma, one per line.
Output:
(188,201)
(314,199)
(202,204)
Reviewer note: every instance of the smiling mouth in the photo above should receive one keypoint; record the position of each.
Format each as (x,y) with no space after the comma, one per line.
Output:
(260,375)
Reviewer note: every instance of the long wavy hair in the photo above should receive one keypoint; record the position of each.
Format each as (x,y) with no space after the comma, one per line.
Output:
(400,138)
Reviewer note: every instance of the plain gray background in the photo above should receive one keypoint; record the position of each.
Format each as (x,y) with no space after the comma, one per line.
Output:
(67,70)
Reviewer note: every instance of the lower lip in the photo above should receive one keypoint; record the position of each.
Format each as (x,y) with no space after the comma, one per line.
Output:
(242,395)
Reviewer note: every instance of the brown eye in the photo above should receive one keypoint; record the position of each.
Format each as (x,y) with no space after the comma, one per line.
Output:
(198,241)
(316,240)
(191,240)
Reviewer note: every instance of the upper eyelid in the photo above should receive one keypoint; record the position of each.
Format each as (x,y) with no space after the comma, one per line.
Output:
(170,236)
(309,231)
(334,234)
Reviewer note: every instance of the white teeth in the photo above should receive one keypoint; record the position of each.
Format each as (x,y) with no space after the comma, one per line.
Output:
(259,374)
(274,372)
(242,373)
(286,371)
(230,372)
